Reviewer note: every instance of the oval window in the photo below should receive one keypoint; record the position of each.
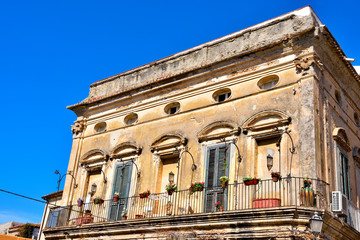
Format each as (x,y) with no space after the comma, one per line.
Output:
(131,119)
(172,108)
(222,95)
(268,82)
(100,127)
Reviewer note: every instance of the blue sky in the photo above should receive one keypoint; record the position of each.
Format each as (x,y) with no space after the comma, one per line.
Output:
(51,51)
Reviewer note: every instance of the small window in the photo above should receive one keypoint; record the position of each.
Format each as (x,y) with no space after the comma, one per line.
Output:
(100,127)
(357,120)
(131,119)
(268,82)
(222,95)
(172,108)
(338,97)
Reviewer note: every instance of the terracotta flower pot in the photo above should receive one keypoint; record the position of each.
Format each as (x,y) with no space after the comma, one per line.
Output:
(170,192)
(275,178)
(124,217)
(224,185)
(221,208)
(116,198)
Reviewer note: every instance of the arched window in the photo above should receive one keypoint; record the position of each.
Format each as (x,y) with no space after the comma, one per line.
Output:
(342,161)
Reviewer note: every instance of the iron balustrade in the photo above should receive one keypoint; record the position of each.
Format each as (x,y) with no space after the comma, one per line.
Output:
(235,197)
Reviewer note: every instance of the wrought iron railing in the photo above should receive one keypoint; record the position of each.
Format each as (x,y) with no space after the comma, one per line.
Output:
(237,196)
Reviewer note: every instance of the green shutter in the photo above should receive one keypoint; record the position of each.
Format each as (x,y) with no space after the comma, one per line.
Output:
(214,170)
(121,184)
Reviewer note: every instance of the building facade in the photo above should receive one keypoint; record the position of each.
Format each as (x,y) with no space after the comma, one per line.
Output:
(278,96)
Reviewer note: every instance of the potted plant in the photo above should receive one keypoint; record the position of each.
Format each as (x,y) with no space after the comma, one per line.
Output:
(251,181)
(219,207)
(224,181)
(124,215)
(197,187)
(98,200)
(170,188)
(80,202)
(307,182)
(276,176)
(116,197)
(145,194)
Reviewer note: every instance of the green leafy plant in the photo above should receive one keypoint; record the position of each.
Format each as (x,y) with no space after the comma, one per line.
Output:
(197,186)
(98,200)
(125,212)
(26,231)
(145,194)
(276,174)
(171,187)
(224,179)
(218,205)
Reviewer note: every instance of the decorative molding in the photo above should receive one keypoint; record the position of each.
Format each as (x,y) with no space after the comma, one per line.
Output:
(340,136)
(157,159)
(125,149)
(168,141)
(217,130)
(78,127)
(94,156)
(303,63)
(356,154)
(265,120)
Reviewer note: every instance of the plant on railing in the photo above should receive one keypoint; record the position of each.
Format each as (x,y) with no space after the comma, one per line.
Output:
(251,181)
(307,182)
(80,202)
(116,197)
(307,196)
(197,187)
(145,194)
(219,207)
(224,181)
(170,188)
(276,176)
(124,215)
(98,200)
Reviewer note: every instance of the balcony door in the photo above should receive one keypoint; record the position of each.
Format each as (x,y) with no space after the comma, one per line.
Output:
(121,185)
(216,166)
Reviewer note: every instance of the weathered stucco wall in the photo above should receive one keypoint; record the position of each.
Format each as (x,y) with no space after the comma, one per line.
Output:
(301,103)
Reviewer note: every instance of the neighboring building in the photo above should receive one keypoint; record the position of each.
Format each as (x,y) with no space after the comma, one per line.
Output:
(276,96)
(5,226)
(32,229)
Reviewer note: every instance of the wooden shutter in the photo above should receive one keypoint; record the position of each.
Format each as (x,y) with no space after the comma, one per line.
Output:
(121,184)
(216,169)
(210,176)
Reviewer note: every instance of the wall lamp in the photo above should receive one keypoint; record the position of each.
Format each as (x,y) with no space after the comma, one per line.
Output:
(62,176)
(270,161)
(93,189)
(316,223)
(171,177)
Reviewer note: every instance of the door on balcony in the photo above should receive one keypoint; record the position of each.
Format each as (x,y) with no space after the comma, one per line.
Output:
(217,165)
(121,185)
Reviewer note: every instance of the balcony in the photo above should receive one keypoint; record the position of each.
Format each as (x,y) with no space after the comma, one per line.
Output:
(266,194)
